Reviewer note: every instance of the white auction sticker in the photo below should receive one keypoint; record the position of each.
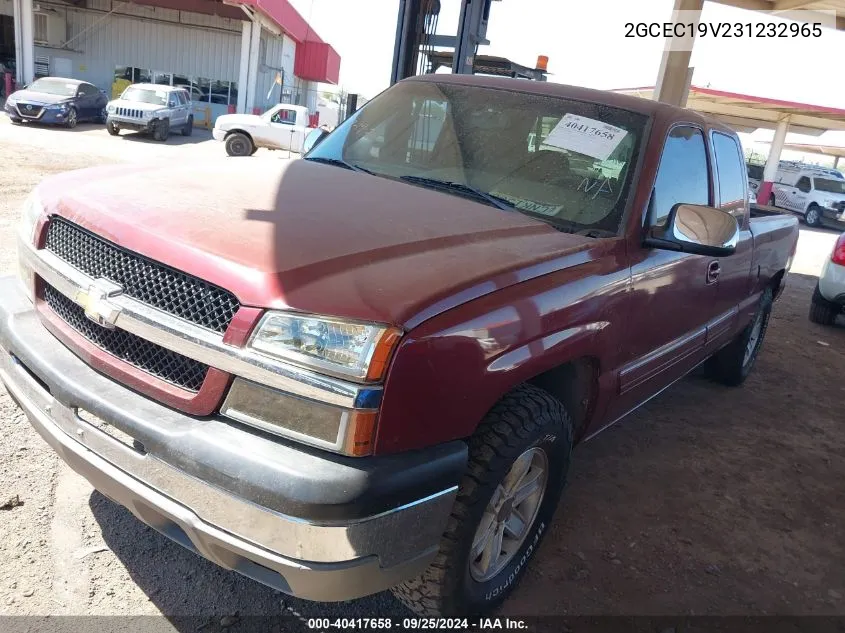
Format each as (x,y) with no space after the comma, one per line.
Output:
(586,136)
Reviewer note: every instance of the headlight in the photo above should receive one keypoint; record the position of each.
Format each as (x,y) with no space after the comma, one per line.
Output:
(148,115)
(57,106)
(110,109)
(30,214)
(359,351)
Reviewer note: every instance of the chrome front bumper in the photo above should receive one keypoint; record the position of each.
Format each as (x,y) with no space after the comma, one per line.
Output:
(317,559)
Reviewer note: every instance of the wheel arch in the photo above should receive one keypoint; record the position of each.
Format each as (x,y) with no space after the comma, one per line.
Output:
(575,384)
(777,283)
(239,131)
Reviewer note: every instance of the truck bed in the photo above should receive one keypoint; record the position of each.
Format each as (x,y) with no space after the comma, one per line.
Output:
(775,237)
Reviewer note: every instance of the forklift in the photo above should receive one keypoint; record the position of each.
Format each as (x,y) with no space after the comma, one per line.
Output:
(420,50)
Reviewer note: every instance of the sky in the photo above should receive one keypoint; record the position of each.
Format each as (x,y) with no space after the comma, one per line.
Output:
(586,45)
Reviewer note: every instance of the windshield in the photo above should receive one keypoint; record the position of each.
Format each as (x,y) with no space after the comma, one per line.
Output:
(829,185)
(54,87)
(145,95)
(565,162)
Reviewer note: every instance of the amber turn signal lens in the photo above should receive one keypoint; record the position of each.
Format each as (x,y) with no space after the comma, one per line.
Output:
(361,436)
(542,62)
(382,353)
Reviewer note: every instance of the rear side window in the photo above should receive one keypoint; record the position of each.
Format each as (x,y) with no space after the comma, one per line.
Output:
(682,175)
(732,180)
(803,184)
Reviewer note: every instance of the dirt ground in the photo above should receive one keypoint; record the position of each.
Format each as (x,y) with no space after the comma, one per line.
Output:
(709,500)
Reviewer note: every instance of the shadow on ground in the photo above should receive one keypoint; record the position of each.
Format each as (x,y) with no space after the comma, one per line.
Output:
(180,583)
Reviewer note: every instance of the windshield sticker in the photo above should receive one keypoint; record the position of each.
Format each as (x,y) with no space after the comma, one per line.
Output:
(585,136)
(529,205)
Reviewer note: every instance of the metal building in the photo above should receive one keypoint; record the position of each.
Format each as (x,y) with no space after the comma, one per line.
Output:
(233,55)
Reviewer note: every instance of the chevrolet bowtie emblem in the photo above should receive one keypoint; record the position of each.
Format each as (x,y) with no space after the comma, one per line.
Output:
(95,302)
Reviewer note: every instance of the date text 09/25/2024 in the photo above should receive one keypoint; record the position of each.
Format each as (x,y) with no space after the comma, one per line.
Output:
(411,624)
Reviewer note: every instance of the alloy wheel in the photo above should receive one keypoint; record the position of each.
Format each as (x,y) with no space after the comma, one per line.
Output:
(508,517)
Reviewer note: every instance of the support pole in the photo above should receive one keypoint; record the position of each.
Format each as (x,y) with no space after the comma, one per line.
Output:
(24,42)
(252,70)
(674,76)
(772,162)
(836,162)
(243,72)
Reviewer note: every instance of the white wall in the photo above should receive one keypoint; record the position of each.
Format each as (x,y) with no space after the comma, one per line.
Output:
(98,42)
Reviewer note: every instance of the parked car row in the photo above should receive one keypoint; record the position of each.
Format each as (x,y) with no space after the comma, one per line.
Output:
(150,108)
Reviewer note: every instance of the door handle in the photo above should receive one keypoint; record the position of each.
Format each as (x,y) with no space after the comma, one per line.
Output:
(713,271)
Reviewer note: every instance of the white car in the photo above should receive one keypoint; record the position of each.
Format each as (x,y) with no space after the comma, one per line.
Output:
(829,296)
(282,127)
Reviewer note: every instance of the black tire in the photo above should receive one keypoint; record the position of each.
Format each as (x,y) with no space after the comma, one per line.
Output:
(15,121)
(254,149)
(72,118)
(822,311)
(112,129)
(161,130)
(527,418)
(813,216)
(188,128)
(730,365)
(239,144)
(102,117)
(772,201)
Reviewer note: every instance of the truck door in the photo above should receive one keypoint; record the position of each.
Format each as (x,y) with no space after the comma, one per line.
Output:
(801,195)
(673,294)
(734,271)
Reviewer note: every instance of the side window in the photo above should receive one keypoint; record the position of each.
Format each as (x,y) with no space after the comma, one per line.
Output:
(183,97)
(803,184)
(731,179)
(682,175)
(284,116)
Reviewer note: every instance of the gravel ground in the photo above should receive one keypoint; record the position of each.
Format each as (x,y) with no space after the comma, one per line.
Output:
(707,501)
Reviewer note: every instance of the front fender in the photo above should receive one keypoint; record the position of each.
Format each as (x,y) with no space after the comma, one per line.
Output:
(449,371)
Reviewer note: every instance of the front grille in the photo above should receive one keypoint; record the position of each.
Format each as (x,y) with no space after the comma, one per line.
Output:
(130,112)
(149,357)
(29,111)
(152,283)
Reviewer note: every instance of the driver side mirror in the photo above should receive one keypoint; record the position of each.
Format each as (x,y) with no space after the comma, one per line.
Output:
(696,229)
(313,139)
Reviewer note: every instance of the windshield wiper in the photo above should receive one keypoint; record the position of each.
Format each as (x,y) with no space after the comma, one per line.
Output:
(489,198)
(338,162)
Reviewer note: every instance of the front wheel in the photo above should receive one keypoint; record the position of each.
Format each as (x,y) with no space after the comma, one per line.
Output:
(188,128)
(112,129)
(161,130)
(72,119)
(518,460)
(238,144)
(813,217)
(732,364)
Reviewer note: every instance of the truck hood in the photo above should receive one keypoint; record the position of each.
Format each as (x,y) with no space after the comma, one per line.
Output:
(38,98)
(137,105)
(314,237)
(228,121)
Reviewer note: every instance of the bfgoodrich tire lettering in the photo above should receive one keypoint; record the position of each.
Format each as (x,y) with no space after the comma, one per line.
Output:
(527,418)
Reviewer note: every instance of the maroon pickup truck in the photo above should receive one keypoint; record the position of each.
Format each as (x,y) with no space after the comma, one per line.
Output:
(367,368)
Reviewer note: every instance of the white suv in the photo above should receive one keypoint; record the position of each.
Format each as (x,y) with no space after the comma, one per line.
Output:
(151,108)
(829,296)
(815,192)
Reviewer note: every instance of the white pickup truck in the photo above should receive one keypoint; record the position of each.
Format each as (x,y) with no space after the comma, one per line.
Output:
(283,126)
